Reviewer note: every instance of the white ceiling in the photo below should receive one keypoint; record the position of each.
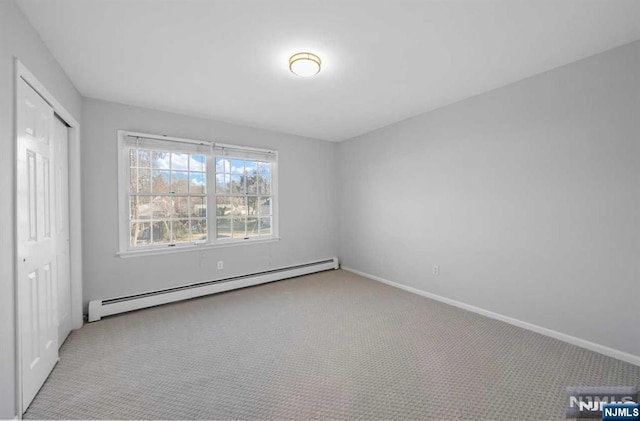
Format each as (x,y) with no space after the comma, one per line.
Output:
(383,61)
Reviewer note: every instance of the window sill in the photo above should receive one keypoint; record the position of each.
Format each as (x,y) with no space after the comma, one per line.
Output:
(194,247)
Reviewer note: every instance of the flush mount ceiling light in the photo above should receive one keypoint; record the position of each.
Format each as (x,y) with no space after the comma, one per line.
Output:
(304,64)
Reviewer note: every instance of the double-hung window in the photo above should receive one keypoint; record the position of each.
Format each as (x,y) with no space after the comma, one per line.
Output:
(180,193)
(244,193)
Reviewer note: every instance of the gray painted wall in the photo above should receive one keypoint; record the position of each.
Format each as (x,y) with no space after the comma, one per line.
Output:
(18,39)
(307,200)
(528,197)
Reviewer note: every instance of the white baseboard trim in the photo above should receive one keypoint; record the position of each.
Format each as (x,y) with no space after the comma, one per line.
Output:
(591,346)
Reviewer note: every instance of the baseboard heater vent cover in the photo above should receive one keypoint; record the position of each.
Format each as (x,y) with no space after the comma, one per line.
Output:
(111,306)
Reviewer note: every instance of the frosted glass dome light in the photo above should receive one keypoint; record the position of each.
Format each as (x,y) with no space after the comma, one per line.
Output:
(304,64)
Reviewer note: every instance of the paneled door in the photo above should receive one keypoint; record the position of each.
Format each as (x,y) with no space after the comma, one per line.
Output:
(35,231)
(61,231)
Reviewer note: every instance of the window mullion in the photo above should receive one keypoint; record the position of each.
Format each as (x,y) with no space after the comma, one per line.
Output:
(211,199)
(172,206)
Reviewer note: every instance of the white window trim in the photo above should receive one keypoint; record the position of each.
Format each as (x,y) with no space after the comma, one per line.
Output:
(125,249)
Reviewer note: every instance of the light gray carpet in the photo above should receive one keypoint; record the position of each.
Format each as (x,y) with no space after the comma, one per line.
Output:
(329,345)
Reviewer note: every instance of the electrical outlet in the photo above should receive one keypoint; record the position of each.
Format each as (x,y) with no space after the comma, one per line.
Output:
(436,270)
(220,264)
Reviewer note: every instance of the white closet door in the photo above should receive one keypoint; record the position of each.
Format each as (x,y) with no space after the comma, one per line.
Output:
(37,268)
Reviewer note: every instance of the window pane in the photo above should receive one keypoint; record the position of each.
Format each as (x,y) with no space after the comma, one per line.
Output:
(198,229)
(223,206)
(181,230)
(237,166)
(133,157)
(144,158)
(264,184)
(197,183)
(140,180)
(252,226)
(198,207)
(252,205)
(180,207)
(179,182)
(222,183)
(223,226)
(140,233)
(160,160)
(223,165)
(140,208)
(238,227)
(180,161)
(250,167)
(265,206)
(238,205)
(161,206)
(236,184)
(161,232)
(133,180)
(264,168)
(161,181)
(252,183)
(197,163)
(265,226)
(144,180)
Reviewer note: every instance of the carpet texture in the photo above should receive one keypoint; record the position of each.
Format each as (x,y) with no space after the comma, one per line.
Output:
(329,345)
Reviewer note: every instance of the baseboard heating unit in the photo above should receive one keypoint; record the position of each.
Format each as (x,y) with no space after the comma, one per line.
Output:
(108,307)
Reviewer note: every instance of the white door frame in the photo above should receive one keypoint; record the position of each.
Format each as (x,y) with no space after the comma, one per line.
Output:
(75,229)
